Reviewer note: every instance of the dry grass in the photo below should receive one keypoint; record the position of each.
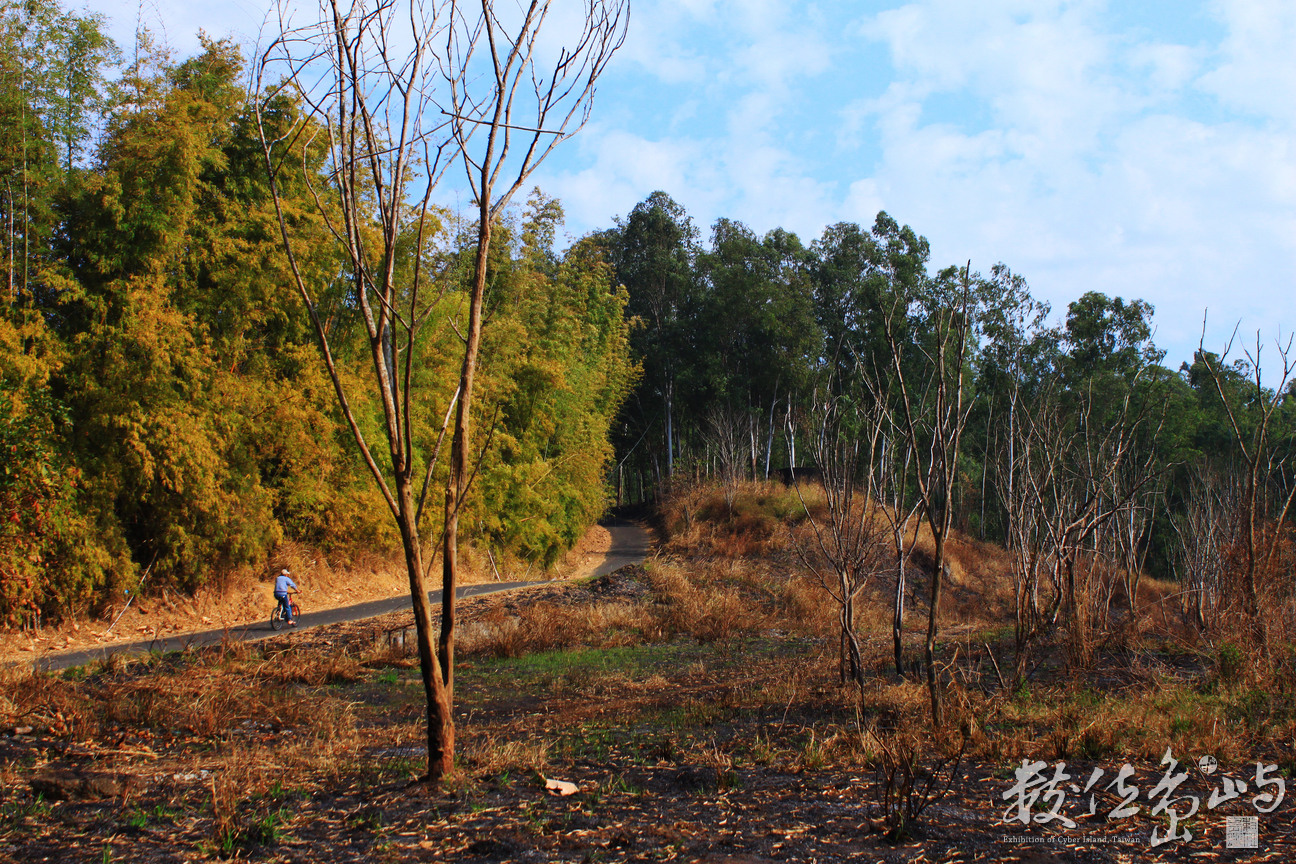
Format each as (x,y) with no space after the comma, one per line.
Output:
(549,626)
(218,696)
(698,520)
(494,754)
(712,603)
(731,674)
(726,661)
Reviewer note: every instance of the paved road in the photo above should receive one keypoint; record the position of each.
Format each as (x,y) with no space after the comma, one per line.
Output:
(629,546)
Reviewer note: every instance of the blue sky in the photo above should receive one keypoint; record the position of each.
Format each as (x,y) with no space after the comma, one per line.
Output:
(1140,149)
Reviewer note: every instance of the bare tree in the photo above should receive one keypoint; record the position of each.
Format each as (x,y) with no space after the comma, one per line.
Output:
(849,547)
(389,95)
(724,433)
(936,425)
(508,110)
(901,512)
(1256,448)
(1204,531)
(896,463)
(1073,469)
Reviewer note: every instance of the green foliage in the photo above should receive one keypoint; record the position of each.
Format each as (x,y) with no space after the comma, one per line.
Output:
(164,413)
(1229,661)
(558,369)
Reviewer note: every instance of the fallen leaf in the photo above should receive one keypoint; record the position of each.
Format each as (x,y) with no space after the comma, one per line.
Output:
(562,787)
(427,844)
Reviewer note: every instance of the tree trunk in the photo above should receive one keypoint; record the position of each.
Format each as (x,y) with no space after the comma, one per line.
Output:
(670,434)
(456,486)
(897,616)
(938,573)
(440,720)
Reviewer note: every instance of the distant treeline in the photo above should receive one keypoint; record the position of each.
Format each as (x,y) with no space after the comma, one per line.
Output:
(163,407)
(746,342)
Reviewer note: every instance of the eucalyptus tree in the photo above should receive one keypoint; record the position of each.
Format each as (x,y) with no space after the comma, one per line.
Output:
(653,251)
(754,334)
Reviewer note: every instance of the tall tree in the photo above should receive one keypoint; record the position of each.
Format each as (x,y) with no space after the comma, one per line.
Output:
(394,120)
(933,410)
(653,251)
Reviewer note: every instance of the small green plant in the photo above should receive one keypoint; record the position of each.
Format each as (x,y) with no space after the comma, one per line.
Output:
(16,814)
(1252,708)
(267,829)
(762,752)
(76,673)
(388,677)
(401,766)
(1228,661)
(278,792)
(537,819)
(367,819)
(813,754)
(620,784)
(139,818)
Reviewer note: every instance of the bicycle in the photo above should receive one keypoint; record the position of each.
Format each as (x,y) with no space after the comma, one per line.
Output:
(276,617)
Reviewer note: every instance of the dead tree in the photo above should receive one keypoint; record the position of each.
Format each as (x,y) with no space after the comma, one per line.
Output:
(1204,531)
(1073,471)
(849,546)
(901,512)
(1256,449)
(725,434)
(896,462)
(367,105)
(936,426)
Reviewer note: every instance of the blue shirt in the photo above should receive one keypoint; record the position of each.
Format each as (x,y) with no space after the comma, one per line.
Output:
(282,584)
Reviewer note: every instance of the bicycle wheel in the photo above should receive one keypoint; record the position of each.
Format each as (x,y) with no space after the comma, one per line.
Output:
(276,619)
(296,610)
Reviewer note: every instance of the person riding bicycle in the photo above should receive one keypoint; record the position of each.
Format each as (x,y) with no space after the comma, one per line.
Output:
(282,583)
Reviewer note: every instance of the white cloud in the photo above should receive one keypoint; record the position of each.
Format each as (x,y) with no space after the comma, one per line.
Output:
(1168,67)
(1258,68)
(1087,176)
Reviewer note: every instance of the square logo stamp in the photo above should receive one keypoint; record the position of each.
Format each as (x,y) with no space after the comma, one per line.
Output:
(1242,832)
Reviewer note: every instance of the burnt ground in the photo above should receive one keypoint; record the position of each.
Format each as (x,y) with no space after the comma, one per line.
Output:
(739,745)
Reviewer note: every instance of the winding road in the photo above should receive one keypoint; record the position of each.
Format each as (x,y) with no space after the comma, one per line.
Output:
(629,546)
